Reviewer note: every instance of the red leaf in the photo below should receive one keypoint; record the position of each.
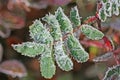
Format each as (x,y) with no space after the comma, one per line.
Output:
(108,44)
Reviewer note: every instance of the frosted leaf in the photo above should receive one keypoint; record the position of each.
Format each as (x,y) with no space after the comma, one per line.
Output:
(91,32)
(47,65)
(55,27)
(104,1)
(74,16)
(115,9)
(76,49)
(62,59)
(118,3)
(103,57)
(39,33)
(112,73)
(102,15)
(64,21)
(108,9)
(30,49)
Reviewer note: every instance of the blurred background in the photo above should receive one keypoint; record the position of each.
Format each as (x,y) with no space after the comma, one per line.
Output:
(15,18)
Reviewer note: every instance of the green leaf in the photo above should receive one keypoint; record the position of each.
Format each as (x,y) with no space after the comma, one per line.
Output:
(115,9)
(102,15)
(104,1)
(39,33)
(47,65)
(108,9)
(91,32)
(62,59)
(64,21)
(55,27)
(30,49)
(118,3)
(74,16)
(113,73)
(76,49)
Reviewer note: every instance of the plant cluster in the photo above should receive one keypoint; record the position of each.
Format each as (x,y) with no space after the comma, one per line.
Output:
(58,42)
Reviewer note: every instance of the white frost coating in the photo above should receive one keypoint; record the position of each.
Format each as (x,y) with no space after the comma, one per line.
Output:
(99,14)
(117,10)
(47,65)
(30,49)
(91,32)
(55,27)
(39,33)
(62,59)
(113,9)
(109,10)
(66,22)
(118,2)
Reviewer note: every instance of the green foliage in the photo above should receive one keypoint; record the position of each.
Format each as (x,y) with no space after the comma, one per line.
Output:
(62,59)
(49,45)
(115,9)
(73,44)
(39,33)
(109,8)
(113,73)
(91,32)
(102,15)
(104,1)
(30,49)
(55,27)
(76,49)
(47,65)
(66,25)
(74,16)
